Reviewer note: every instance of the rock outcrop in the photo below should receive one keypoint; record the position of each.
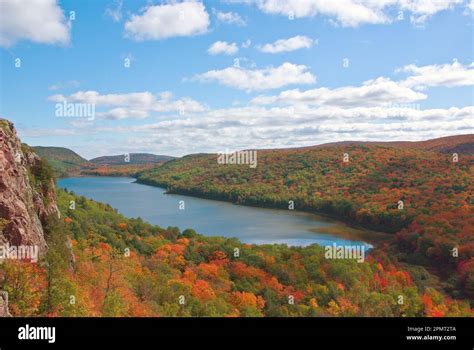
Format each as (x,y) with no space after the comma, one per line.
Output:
(4,312)
(27,196)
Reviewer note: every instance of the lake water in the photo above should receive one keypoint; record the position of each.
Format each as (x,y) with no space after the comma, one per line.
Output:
(207,217)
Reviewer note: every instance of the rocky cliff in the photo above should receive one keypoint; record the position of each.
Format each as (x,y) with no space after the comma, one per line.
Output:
(27,195)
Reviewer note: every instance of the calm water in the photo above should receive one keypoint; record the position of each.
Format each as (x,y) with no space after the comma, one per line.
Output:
(208,217)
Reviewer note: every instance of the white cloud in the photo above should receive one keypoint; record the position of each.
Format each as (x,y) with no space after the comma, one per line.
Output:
(230,18)
(348,13)
(254,126)
(259,79)
(421,10)
(223,47)
(169,20)
(286,45)
(257,127)
(380,109)
(142,99)
(449,75)
(39,21)
(377,92)
(123,113)
(381,91)
(135,105)
(470,5)
(352,13)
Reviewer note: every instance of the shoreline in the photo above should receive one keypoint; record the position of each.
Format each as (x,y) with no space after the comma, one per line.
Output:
(350,224)
(339,227)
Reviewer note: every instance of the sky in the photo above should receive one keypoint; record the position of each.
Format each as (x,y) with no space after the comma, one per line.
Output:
(107,77)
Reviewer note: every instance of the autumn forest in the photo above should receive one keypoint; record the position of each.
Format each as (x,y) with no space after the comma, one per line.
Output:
(100,263)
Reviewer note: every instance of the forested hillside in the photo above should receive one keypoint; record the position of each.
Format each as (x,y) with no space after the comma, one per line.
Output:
(114,266)
(450,144)
(63,160)
(425,197)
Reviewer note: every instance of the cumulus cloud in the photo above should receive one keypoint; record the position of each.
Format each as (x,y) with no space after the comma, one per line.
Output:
(259,127)
(286,45)
(449,75)
(421,10)
(348,13)
(230,18)
(259,79)
(157,22)
(223,47)
(352,13)
(274,127)
(378,109)
(380,91)
(39,21)
(377,92)
(120,113)
(134,105)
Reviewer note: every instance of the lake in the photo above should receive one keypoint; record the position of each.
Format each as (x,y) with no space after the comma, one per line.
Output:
(209,217)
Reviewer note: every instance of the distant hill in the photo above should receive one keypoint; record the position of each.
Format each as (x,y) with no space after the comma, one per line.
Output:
(66,162)
(460,143)
(59,153)
(463,144)
(135,158)
(63,160)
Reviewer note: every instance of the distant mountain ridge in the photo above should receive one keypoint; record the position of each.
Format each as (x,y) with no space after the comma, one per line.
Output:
(133,158)
(449,144)
(66,162)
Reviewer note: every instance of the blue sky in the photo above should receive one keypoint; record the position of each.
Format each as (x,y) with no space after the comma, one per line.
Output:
(308,72)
